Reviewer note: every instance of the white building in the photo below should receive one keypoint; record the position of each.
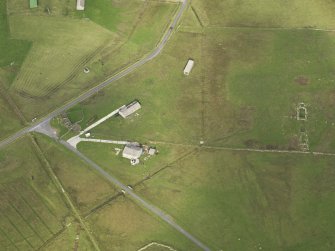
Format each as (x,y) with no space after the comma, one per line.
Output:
(188,67)
(132,152)
(80,4)
(127,110)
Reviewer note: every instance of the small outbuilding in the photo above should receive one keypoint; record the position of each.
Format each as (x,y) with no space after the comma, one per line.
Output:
(127,110)
(33,4)
(132,151)
(188,67)
(80,4)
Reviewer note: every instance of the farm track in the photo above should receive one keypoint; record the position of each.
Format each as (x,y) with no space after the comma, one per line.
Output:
(269,28)
(242,149)
(6,96)
(61,189)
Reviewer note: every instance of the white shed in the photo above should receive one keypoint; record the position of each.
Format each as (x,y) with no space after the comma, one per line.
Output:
(80,4)
(132,152)
(127,110)
(188,67)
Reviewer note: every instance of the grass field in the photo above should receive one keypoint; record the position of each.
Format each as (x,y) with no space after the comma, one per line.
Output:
(127,227)
(45,8)
(86,187)
(73,43)
(171,103)
(78,42)
(255,82)
(230,97)
(11,50)
(244,201)
(264,13)
(9,122)
(12,54)
(243,92)
(67,240)
(105,156)
(32,210)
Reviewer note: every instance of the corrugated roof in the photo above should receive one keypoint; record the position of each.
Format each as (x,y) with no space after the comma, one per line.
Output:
(80,4)
(188,67)
(129,109)
(33,3)
(132,152)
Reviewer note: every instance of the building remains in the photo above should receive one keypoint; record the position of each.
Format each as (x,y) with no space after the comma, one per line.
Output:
(188,67)
(80,4)
(127,110)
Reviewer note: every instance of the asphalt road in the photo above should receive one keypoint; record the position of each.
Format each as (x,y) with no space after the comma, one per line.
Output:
(97,88)
(129,192)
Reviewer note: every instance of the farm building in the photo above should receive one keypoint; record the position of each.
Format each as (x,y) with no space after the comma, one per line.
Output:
(80,4)
(188,67)
(132,152)
(127,110)
(33,4)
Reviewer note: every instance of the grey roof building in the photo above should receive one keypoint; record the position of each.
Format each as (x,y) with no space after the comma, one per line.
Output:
(132,151)
(127,110)
(80,4)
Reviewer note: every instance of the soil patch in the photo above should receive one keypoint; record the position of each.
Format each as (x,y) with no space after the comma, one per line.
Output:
(301,80)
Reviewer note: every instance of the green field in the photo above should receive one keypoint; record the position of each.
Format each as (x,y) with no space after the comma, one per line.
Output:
(263,76)
(33,73)
(73,43)
(230,98)
(86,187)
(32,209)
(68,240)
(265,13)
(171,103)
(12,54)
(243,93)
(128,227)
(243,201)
(11,50)
(105,156)
(221,131)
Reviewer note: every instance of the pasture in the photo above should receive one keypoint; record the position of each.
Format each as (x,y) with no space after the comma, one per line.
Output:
(243,92)
(11,50)
(265,13)
(255,82)
(89,39)
(32,210)
(12,54)
(9,122)
(61,48)
(85,186)
(68,240)
(127,226)
(250,201)
(171,103)
(105,156)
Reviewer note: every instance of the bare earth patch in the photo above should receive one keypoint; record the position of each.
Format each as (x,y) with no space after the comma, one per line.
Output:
(301,80)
